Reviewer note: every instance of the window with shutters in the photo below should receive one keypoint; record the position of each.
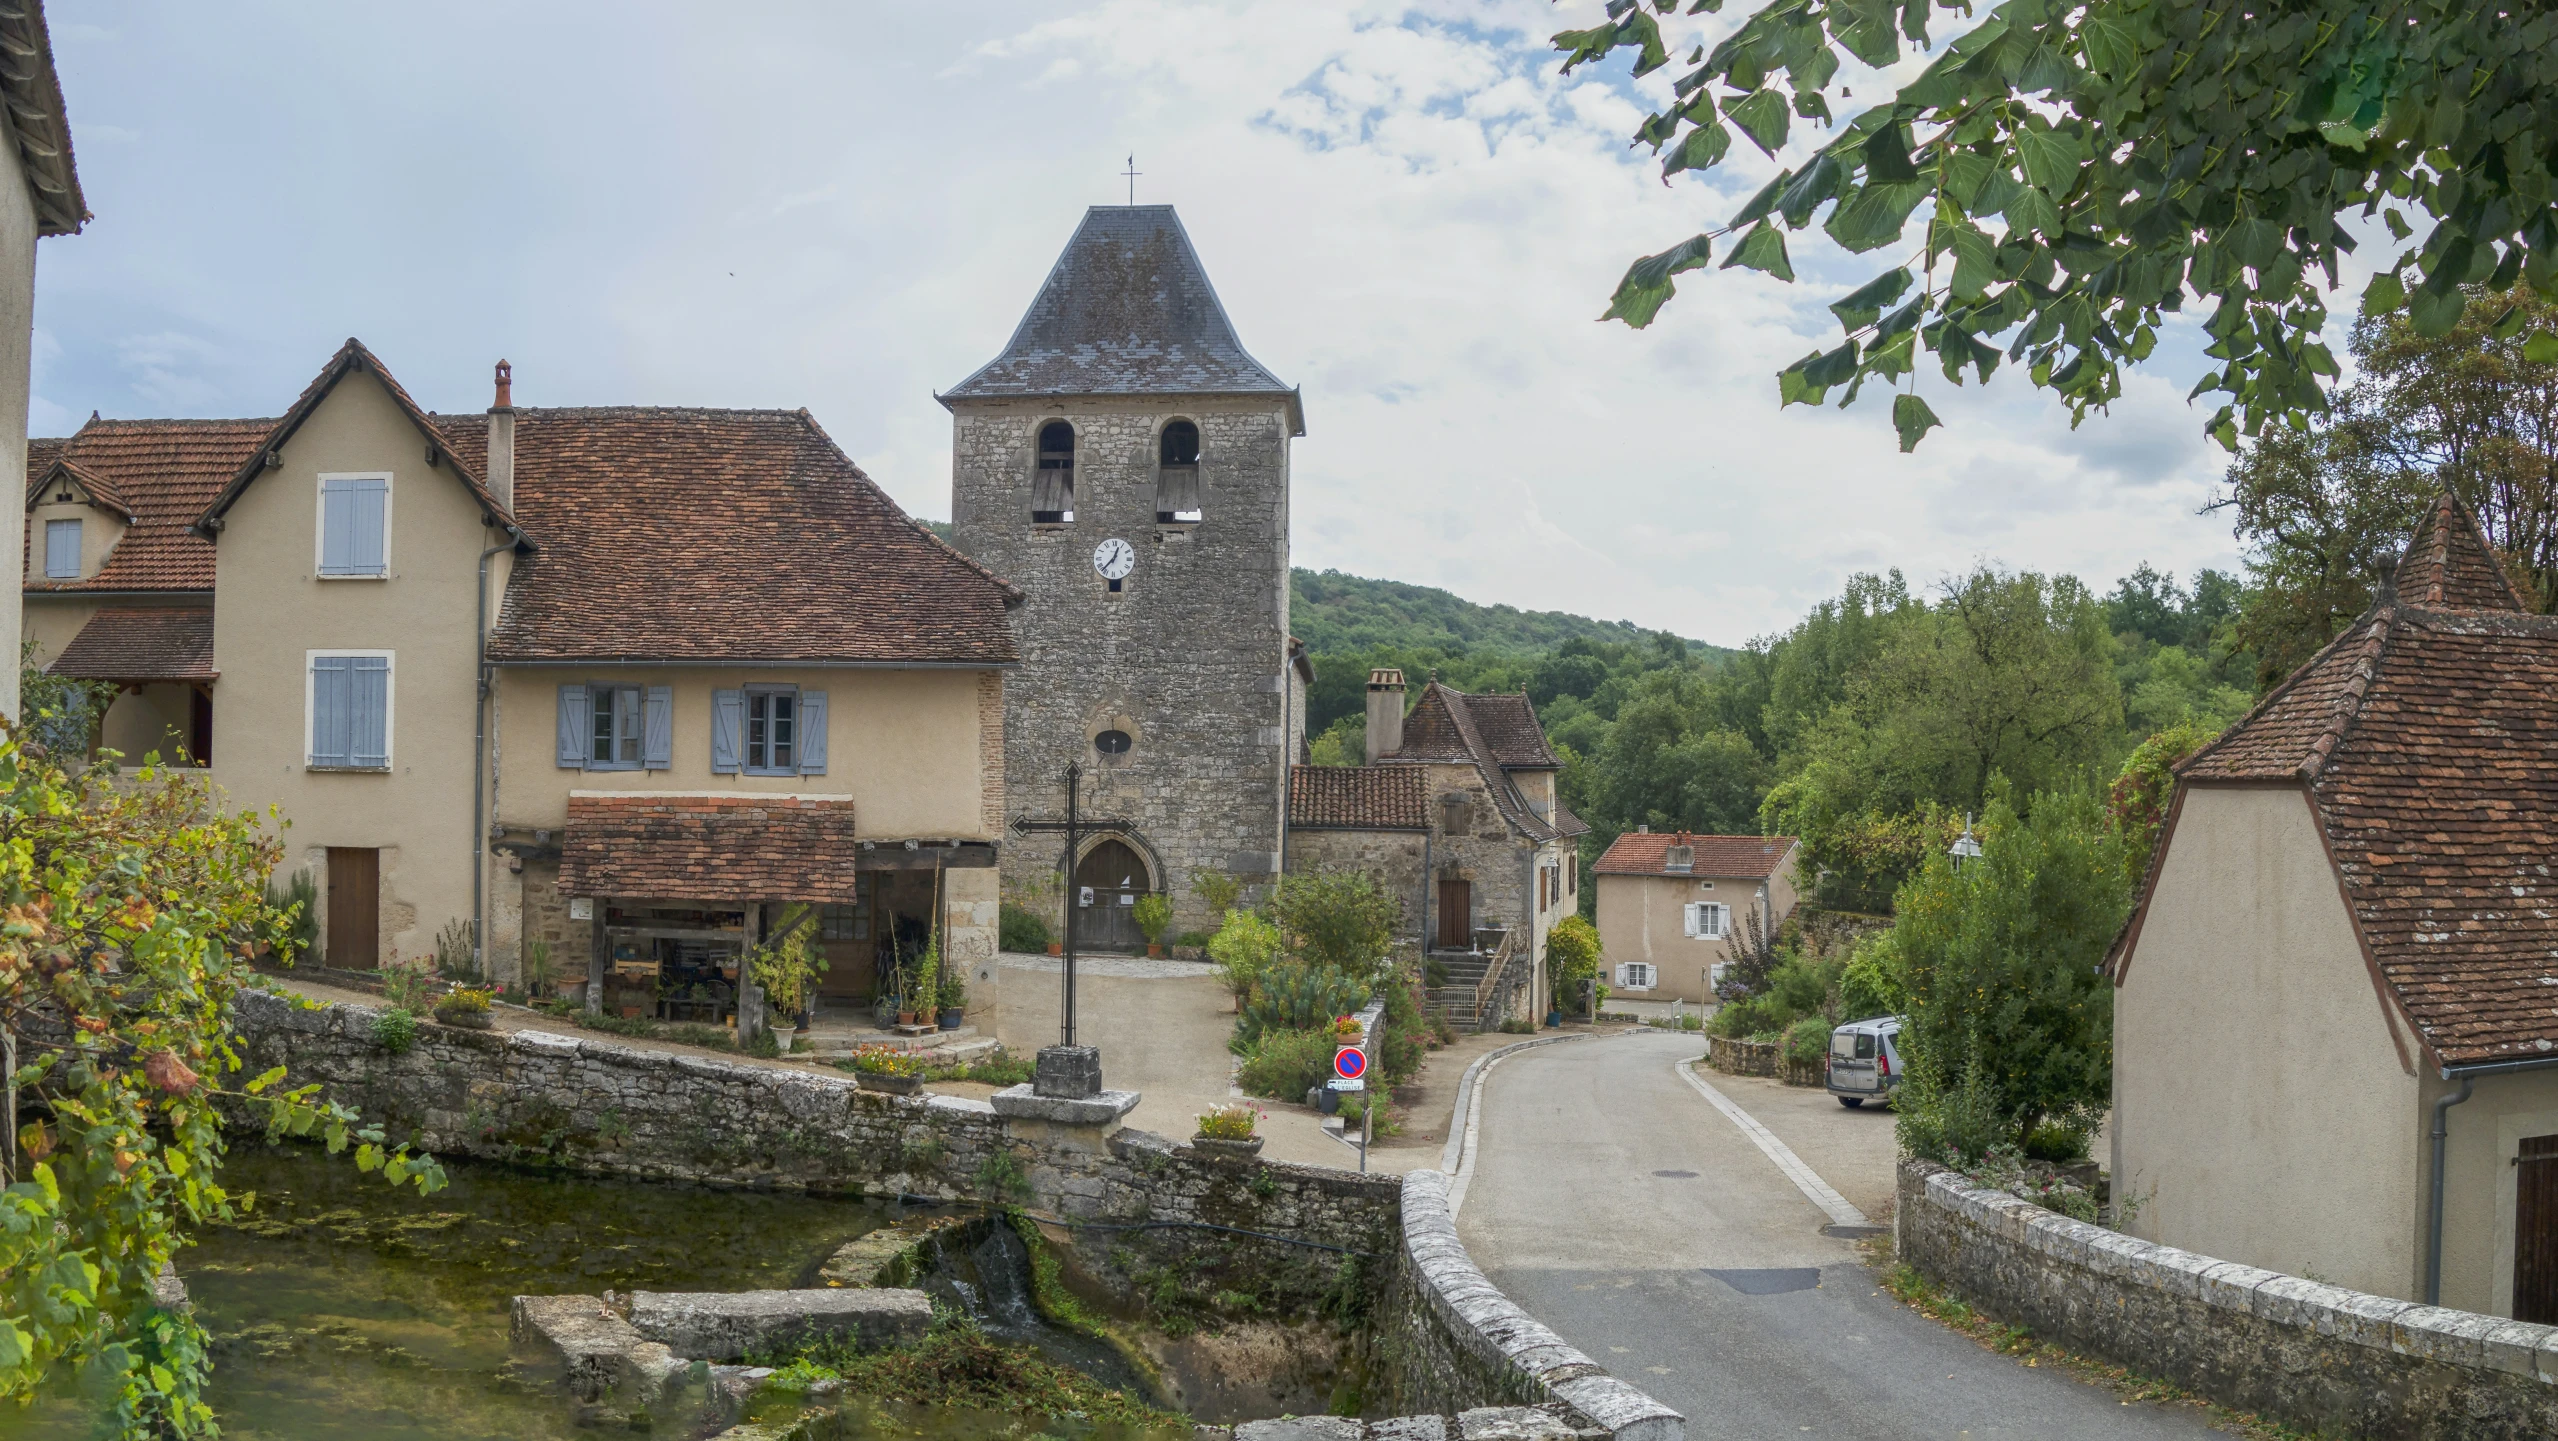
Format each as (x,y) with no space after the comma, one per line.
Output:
(613,727)
(1708,920)
(1635,976)
(1052,481)
(1177,475)
(354,542)
(62,550)
(348,704)
(768,730)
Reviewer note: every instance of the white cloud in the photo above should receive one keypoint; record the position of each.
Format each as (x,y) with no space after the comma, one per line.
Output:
(1406,210)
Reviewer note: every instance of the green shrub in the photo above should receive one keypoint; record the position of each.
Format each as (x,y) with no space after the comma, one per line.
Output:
(1022,929)
(1153,914)
(1191,938)
(1808,1039)
(1336,920)
(299,899)
(1243,948)
(1284,1065)
(1217,891)
(1866,985)
(1399,1047)
(2057,1143)
(1294,996)
(1571,958)
(1757,1016)
(395,1030)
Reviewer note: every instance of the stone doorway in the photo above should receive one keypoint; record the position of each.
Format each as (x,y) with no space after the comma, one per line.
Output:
(1108,881)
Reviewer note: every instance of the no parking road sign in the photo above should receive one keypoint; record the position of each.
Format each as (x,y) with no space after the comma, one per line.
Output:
(1349,1064)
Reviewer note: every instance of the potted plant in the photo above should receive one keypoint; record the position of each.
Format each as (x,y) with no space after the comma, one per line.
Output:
(886,1068)
(1226,1133)
(927,989)
(1153,914)
(954,1000)
(1345,1028)
(537,968)
(466,1009)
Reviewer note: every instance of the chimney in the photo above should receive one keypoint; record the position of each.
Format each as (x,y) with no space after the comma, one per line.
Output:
(501,462)
(1385,713)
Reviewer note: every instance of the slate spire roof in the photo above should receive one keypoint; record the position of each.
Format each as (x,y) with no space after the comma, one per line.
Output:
(1127,310)
(2426,737)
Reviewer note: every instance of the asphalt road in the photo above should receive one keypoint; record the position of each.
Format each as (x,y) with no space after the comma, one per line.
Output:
(1620,1208)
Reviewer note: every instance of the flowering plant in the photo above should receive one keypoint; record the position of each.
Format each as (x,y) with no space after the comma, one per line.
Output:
(1231,1122)
(887,1061)
(1346,1027)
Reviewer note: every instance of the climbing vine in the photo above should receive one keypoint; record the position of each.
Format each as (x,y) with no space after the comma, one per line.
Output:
(2079,171)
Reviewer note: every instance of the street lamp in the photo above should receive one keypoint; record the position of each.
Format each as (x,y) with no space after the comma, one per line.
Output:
(1965,848)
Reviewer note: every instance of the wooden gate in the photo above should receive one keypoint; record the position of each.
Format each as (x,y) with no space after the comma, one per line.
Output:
(1115,878)
(2536,1231)
(355,908)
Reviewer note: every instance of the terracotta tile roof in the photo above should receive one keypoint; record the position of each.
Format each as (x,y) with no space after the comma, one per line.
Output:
(1742,858)
(1127,310)
(1445,728)
(708,848)
(96,489)
(164,472)
(2450,565)
(724,535)
(2427,739)
(351,359)
(139,643)
(1359,798)
(40,124)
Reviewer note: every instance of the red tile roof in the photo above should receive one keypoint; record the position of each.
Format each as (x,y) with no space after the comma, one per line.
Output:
(725,535)
(1361,798)
(1738,858)
(141,643)
(1495,734)
(164,472)
(2427,739)
(709,848)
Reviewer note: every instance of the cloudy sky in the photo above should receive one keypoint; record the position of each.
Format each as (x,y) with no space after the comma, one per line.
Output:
(847,205)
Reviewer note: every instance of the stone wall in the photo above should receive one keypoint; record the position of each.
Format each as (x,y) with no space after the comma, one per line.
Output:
(2311,1355)
(1447,1339)
(1393,859)
(1188,657)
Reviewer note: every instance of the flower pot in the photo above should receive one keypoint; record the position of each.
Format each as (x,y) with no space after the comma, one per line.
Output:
(466,1020)
(888,1085)
(1212,1148)
(952,1017)
(632,1013)
(1056,948)
(802,1024)
(1154,952)
(905,1018)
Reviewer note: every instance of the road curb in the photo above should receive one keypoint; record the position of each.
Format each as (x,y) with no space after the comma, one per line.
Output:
(1819,1192)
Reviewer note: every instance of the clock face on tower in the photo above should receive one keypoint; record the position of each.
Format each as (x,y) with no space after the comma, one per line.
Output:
(1114,558)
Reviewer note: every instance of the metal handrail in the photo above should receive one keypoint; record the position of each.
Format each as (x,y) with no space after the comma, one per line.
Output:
(1492,973)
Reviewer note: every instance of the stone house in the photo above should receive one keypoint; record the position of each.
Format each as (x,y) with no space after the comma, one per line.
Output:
(1455,811)
(1672,906)
(1124,462)
(618,680)
(2336,1004)
(39,196)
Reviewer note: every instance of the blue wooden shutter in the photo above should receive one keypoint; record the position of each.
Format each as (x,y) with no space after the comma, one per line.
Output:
(352,518)
(812,732)
(657,729)
(372,512)
(62,549)
(574,720)
(371,688)
(329,710)
(728,725)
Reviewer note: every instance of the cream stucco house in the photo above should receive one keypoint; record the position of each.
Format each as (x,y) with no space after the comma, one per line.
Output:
(616,681)
(1672,905)
(2336,1014)
(39,196)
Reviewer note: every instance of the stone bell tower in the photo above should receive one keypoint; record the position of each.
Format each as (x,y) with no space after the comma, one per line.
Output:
(1124,462)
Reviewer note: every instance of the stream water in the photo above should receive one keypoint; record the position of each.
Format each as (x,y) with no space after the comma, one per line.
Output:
(342,1308)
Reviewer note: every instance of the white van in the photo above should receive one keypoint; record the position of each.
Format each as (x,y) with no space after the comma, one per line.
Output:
(1865,1063)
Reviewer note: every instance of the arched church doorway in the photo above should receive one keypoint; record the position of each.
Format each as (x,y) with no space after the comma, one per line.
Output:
(1108,881)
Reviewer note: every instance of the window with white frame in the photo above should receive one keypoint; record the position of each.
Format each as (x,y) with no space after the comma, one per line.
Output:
(1708,920)
(1635,976)
(348,704)
(355,526)
(62,550)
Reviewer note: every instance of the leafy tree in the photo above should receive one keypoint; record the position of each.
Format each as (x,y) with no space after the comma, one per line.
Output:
(1243,948)
(2079,171)
(1661,767)
(1336,921)
(135,907)
(2007,1018)
(2137,801)
(1572,956)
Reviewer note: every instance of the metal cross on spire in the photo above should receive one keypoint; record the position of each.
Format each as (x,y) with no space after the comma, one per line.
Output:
(1132,173)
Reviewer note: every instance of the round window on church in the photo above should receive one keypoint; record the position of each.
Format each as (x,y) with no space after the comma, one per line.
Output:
(1111,743)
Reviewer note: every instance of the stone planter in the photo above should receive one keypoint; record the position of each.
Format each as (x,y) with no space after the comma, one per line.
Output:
(889,1085)
(1234,1153)
(952,1018)
(465,1020)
